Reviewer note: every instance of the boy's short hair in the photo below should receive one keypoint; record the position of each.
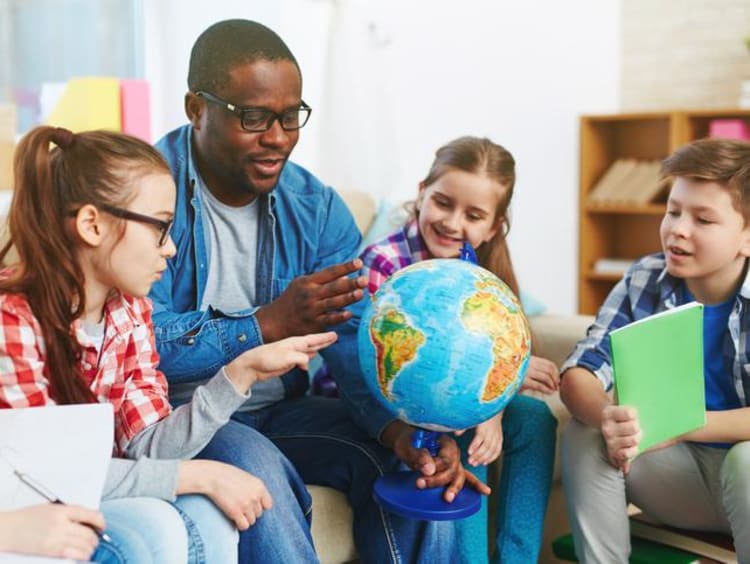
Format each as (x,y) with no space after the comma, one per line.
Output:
(228,43)
(724,161)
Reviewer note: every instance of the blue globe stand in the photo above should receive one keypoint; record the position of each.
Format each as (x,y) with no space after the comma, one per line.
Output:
(397,492)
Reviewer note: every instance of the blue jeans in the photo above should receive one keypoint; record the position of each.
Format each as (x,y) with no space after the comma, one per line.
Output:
(313,440)
(523,491)
(212,537)
(143,530)
(149,530)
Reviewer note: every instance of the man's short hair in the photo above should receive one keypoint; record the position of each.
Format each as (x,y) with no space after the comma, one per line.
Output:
(724,161)
(229,43)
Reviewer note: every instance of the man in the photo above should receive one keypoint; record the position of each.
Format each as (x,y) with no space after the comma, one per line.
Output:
(264,251)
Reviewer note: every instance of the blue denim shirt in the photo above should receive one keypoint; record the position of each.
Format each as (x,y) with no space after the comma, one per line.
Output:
(648,288)
(303,226)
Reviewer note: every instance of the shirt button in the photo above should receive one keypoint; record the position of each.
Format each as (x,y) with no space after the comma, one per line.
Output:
(242,338)
(191,341)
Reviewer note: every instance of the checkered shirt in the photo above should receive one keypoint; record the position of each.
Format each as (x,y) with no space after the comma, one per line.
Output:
(399,249)
(123,374)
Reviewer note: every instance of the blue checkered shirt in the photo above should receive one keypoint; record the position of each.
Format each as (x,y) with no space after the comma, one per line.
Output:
(648,288)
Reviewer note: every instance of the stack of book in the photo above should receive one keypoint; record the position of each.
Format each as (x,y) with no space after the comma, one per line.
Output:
(629,182)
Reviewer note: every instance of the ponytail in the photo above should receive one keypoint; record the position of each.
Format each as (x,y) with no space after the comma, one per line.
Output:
(48,274)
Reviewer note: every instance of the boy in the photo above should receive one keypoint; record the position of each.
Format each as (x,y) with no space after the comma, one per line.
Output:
(697,481)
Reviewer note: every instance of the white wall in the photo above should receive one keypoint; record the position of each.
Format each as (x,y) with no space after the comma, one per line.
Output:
(390,81)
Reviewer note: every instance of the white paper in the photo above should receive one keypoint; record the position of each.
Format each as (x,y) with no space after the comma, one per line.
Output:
(66,449)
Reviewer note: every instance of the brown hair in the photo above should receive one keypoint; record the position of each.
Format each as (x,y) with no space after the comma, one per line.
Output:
(478,155)
(724,161)
(51,184)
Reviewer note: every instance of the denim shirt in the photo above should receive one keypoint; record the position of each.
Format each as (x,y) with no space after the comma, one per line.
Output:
(303,226)
(648,288)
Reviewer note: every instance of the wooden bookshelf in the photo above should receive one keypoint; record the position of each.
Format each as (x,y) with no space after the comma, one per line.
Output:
(627,231)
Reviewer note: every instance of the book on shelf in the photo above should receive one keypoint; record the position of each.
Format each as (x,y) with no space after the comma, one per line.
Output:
(716,546)
(629,182)
(606,189)
(652,359)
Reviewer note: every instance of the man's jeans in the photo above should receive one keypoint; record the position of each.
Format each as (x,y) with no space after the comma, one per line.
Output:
(313,440)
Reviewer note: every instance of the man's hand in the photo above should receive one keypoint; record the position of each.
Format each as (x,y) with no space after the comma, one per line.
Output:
(622,435)
(541,376)
(443,470)
(313,302)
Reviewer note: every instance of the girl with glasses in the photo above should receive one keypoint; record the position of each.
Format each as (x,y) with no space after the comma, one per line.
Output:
(90,221)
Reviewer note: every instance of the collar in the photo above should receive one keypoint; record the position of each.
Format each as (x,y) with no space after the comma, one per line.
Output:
(417,248)
(120,318)
(669,285)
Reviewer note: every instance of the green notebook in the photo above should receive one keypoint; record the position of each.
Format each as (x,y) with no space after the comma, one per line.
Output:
(658,369)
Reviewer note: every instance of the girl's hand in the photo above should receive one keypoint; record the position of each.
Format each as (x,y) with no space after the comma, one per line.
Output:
(62,531)
(241,496)
(622,435)
(542,376)
(274,359)
(487,443)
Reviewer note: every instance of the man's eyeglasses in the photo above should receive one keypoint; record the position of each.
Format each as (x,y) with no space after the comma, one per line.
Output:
(165,226)
(261,119)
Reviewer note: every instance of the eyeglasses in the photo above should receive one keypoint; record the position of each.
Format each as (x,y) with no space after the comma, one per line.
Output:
(261,119)
(165,226)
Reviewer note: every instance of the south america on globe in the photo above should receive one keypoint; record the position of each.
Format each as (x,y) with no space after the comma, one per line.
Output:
(444,344)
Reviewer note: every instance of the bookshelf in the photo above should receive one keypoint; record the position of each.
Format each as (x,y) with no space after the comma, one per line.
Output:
(609,230)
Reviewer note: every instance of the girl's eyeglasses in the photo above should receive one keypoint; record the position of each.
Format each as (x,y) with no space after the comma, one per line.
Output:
(165,226)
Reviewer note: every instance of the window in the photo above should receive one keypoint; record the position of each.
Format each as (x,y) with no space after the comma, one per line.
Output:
(47,41)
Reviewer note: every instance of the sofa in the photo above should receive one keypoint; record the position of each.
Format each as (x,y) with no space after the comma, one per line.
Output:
(554,338)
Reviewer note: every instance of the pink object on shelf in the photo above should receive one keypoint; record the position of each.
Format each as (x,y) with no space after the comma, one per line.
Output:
(729,129)
(136,108)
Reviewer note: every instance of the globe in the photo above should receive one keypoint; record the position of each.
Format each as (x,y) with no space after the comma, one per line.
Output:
(444,344)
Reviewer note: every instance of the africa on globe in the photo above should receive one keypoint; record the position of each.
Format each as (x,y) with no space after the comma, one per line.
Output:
(444,344)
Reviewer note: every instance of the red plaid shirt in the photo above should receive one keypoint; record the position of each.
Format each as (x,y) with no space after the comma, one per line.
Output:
(123,374)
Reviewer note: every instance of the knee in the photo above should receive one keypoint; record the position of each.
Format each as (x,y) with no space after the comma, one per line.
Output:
(213,537)
(580,444)
(146,529)
(249,451)
(734,472)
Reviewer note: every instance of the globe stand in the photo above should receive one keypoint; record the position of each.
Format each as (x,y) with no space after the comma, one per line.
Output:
(398,493)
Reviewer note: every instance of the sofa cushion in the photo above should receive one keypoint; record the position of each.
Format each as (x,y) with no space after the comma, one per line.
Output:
(332,526)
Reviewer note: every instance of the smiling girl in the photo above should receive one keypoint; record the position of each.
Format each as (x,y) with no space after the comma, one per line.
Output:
(465,197)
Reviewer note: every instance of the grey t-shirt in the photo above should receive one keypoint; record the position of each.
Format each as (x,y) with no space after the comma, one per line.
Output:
(231,236)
